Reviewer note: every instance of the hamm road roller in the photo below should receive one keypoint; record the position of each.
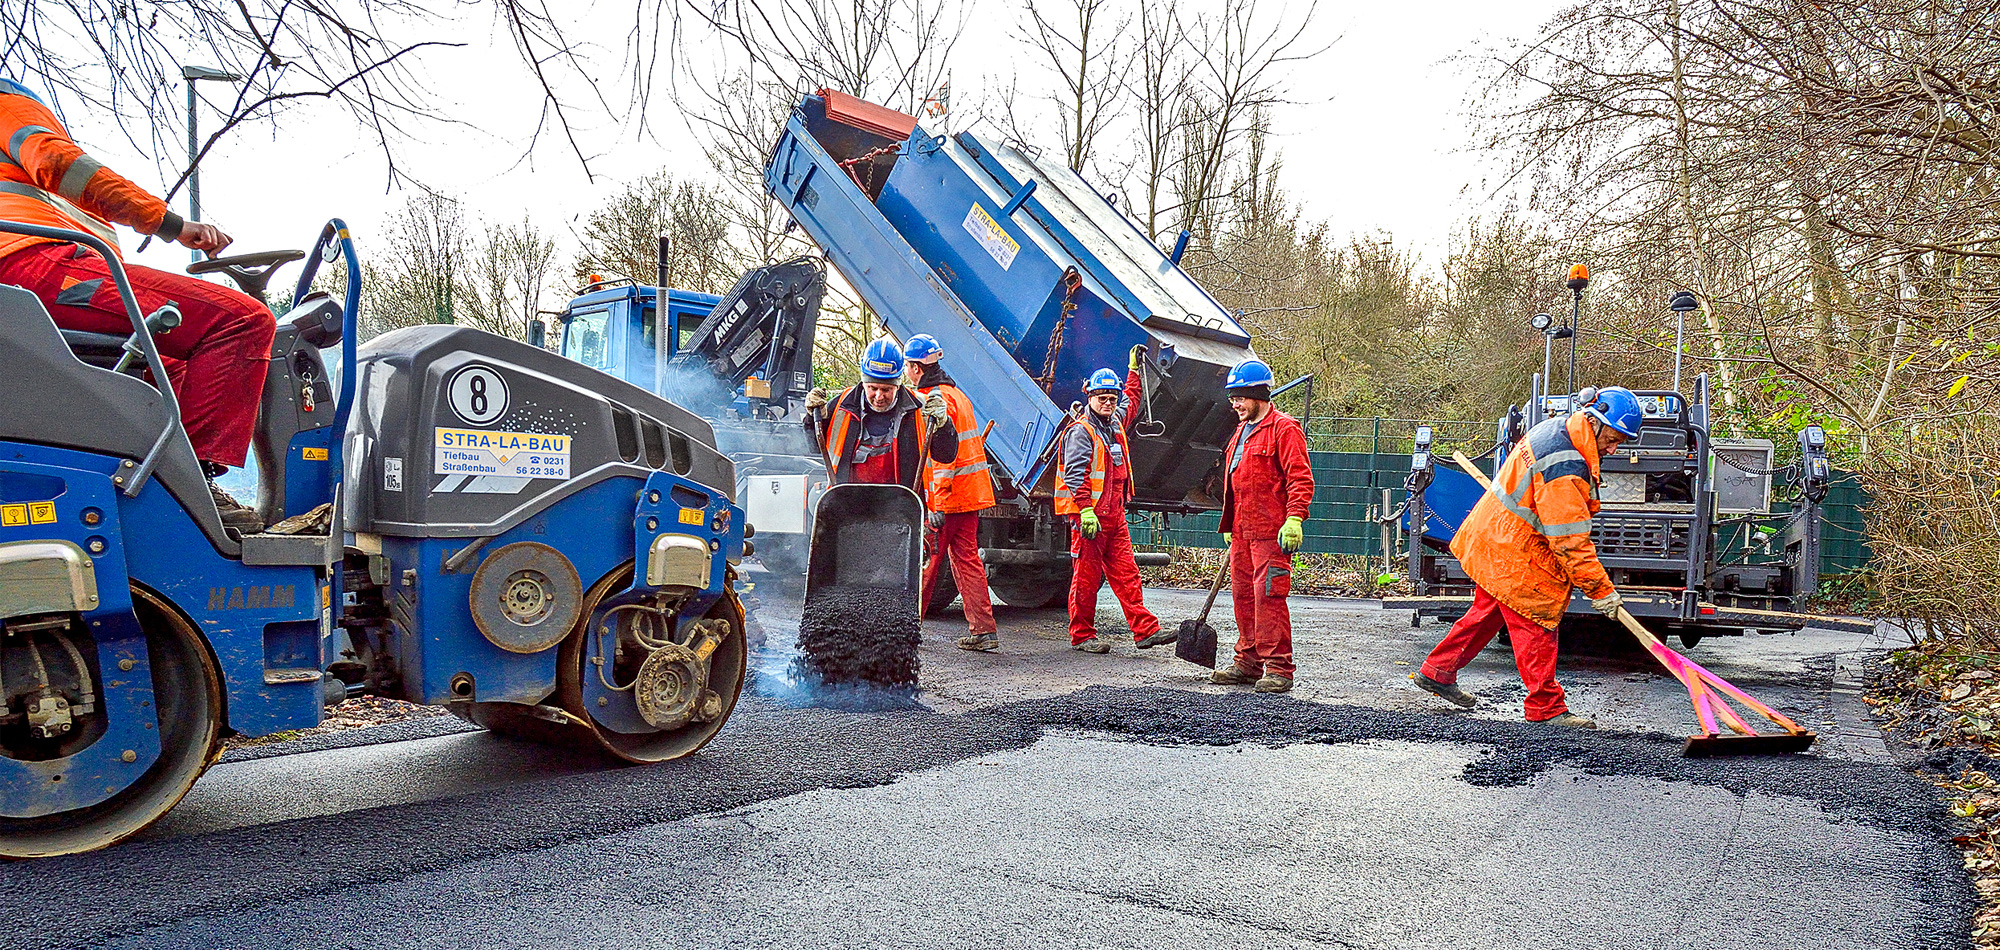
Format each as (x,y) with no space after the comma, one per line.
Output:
(459,519)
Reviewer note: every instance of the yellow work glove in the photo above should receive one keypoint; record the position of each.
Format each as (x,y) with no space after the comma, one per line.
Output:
(1138,357)
(1609,604)
(1292,534)
(936,411)
(815,399)
(1225,538)
(1087,523)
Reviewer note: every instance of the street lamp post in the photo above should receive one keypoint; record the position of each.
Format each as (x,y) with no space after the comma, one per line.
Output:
(194,74)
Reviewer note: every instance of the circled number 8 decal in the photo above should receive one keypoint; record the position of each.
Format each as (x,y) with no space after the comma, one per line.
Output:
(478,395)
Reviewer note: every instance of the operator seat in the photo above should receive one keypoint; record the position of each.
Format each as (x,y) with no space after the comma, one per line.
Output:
(50,397)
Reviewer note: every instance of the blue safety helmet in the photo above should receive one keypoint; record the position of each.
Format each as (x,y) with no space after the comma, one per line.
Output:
(923,348)
(10,87)
(1619,409)
(883,363)
(1103,380)
(1250,372)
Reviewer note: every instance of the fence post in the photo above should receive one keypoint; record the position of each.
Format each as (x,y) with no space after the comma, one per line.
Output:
(1388,543)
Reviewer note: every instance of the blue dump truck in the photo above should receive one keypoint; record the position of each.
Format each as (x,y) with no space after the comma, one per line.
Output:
(1031,279)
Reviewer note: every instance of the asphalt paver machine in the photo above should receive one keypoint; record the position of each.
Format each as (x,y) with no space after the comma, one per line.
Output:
(459,519)
(1688,530)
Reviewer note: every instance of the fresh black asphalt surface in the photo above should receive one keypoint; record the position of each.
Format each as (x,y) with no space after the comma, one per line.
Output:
(1045,797)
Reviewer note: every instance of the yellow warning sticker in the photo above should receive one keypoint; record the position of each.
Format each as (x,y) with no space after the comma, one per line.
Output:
(991,236)
(42,512)
(691,515)
(13,516)
(311,454)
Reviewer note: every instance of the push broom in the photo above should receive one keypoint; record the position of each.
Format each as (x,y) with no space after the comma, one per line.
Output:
(1706,690)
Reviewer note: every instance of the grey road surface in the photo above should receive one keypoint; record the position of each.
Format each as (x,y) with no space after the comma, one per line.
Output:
(1042,797)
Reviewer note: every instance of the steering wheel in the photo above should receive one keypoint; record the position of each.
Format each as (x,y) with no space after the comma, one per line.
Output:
(250,271)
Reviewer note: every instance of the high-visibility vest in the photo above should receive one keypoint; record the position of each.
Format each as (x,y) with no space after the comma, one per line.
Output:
(1100,467)
(965,484)
(839,452)
(1527,541)
(58,163)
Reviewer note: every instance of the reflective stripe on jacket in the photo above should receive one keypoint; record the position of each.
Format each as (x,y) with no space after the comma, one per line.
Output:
(840,429)
(1527,541)
(963,484)
(47,179)
(1074,483)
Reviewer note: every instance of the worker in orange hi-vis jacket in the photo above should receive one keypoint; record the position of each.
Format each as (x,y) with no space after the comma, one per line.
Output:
(955,492)
(223,345)
(1526,545)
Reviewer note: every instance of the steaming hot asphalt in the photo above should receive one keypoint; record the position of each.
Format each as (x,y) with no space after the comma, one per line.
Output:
(1048,797)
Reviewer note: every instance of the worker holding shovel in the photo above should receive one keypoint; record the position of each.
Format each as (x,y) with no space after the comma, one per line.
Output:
(955,493)
(1266,495)
(1526,544)
(1093,482)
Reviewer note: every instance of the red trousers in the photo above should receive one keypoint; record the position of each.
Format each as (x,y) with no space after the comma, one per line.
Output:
(1096,560)
(1260,578)
(957,542)
(216,357)
(1534,652)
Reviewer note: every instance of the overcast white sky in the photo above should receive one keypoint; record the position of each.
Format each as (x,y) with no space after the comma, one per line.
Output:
(1377,140)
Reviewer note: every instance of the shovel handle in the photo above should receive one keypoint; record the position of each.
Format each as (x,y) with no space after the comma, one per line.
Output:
(1214,587)
(1470,469)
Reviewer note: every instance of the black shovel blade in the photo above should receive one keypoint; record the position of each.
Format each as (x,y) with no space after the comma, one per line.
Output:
(1196,643)
(867,536)
(1783,743)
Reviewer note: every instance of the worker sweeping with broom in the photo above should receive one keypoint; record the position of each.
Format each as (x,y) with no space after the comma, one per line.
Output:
(1526,544)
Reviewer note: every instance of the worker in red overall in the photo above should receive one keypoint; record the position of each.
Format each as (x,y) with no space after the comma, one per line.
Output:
(879,432)
(218,354)
(1526,545)
(1266,497)
(955,492)
(1093,482)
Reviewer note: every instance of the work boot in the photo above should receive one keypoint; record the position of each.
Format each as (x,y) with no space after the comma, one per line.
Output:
(235,514)
(1274,683)
(1092,645)
(1160,638)
(1573,721)
(1232,675)
(983,642)
(1449,692)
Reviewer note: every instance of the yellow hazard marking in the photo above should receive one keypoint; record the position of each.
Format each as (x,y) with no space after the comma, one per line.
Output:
(707,647)
(13,516)
(311,454)
(691,515)
(42,512)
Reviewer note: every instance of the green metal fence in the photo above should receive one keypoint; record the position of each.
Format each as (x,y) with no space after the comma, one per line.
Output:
(1354,459)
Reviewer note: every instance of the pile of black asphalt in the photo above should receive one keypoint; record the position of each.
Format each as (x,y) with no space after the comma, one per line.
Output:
(859,636)
(770,750)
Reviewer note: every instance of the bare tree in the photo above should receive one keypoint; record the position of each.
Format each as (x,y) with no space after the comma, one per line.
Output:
(1241,56)
(502,289)
(622,237)
(1158,87)
(117,59)
(423,267)
(1084,44)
